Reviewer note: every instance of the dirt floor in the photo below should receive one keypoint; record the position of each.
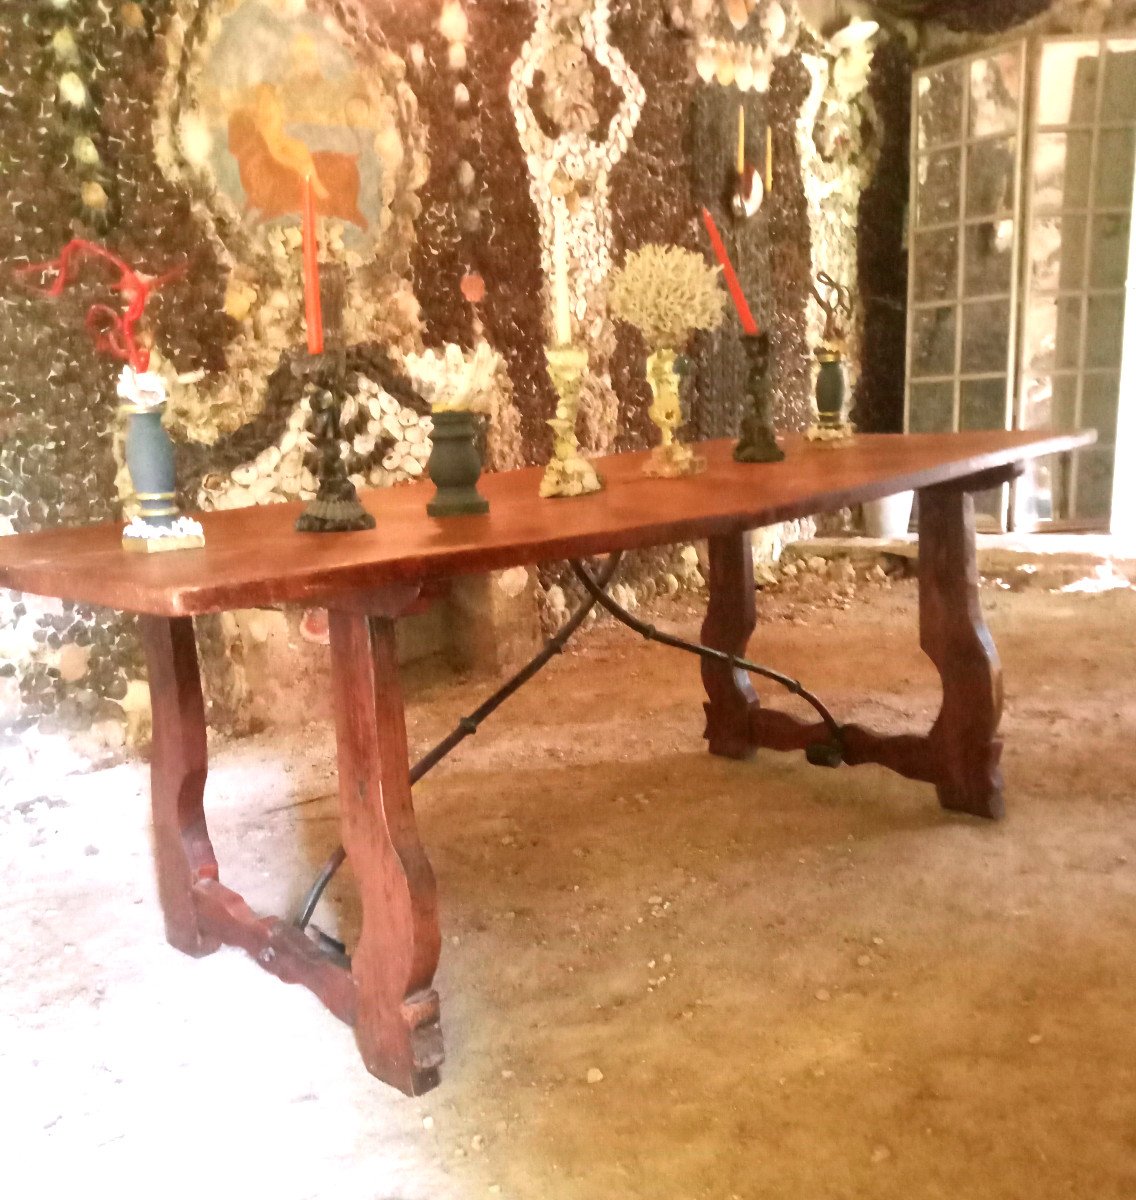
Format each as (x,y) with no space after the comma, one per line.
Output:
(795,983)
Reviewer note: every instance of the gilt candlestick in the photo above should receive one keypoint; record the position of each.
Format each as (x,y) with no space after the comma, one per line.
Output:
(569,473)
(670,459)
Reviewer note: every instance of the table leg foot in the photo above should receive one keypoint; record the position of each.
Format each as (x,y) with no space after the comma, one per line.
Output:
(178,769)
(731,617)
(954,635)
(397,1015)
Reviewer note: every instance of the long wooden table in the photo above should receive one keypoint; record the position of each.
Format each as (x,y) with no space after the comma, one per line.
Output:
(254,558)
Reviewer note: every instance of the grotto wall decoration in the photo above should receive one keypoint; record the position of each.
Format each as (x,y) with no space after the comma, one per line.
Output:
(735,43)
(570,160)
(667,293)
(258,95)
(159,525)
(839,153)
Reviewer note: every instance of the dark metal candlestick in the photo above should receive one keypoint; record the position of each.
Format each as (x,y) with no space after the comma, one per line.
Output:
(758,441)
(336,507)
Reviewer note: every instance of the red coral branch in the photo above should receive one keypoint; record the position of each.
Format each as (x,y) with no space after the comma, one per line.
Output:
(111,332)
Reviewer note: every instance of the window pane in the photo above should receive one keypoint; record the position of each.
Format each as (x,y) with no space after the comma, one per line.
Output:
(989,258)
(932,408)
(990,177)
(1050,402)
(1053,334)
(1105,331)
(940,106)
(936,265)
(1044,491)
(985,336)
(933,341)
(982,404)
(1100,401)
(1110,251)
(1061,170)
(1119,102)
(1094,484)
(939,186)
(1068,91)
(995,90)
(989,505)
(1116,157)
(1057,247)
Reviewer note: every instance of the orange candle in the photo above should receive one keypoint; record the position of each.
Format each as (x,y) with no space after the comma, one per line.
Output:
(730,275)
(313,314)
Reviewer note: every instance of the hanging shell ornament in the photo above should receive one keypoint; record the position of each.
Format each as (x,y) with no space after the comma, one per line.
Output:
(737,12)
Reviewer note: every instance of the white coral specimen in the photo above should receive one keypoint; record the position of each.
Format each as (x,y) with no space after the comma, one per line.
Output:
(455,382)
(667,292)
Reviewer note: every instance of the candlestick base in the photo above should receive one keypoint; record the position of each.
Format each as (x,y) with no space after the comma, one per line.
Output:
(831,433)
(568,473)
(674,461)
(141,537)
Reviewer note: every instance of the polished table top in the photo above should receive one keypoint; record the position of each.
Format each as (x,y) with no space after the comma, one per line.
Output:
(253,557)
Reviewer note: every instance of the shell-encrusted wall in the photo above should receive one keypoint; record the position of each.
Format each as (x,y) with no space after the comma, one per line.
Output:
(836,164)
(570,158)
(452,140)
(211,93)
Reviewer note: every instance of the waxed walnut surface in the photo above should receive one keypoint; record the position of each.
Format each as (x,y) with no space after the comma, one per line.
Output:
(254,557)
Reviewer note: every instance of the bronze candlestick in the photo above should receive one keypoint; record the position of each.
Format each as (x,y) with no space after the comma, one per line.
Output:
(758,441)
(336,507)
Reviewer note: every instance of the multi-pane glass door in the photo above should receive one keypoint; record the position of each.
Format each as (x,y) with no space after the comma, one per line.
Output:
(969,118)
(1079,181)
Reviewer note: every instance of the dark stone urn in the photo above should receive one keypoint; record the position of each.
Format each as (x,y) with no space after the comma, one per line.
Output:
(830,389)
(455,466)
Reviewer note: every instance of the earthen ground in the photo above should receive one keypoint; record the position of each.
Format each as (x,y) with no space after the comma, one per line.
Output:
(796,983)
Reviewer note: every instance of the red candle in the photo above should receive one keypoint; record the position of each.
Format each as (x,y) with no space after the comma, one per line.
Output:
(748,323)
(313,314)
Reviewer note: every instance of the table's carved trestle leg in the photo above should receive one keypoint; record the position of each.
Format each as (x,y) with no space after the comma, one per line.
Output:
(961,753)
(386,990)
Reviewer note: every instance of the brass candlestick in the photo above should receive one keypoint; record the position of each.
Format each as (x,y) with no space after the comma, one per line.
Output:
(569,473)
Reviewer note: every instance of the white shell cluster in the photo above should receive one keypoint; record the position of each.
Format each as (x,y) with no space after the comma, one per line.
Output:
(183,527)
(454,381)
(744,64)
